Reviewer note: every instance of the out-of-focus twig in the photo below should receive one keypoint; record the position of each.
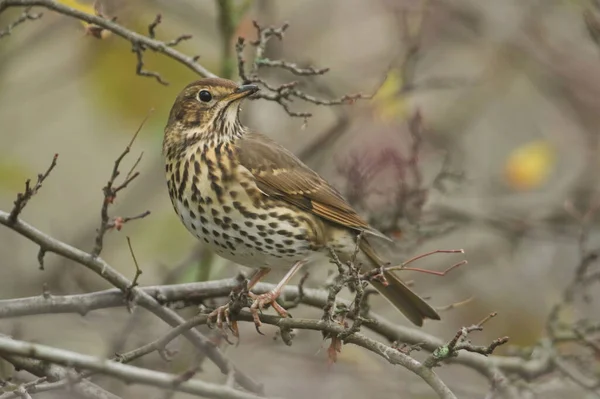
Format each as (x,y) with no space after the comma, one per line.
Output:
(286,93)
(30,191)
(25,16)
(111,189)
(122,371)
(52,377)
(103,269)
(138,41)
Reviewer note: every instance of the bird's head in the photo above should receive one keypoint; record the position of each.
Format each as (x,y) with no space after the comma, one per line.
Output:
(207,108)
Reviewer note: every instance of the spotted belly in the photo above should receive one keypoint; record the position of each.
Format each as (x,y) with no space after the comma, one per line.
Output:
(254,238)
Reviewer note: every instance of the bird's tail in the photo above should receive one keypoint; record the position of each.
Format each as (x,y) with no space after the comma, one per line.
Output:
(399,294)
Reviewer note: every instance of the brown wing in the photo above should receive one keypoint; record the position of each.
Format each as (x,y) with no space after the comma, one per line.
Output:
(279,173)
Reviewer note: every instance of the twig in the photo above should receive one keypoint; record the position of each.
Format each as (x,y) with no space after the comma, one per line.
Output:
(103,269)
(283,94)
(426,271)
(198,292)
(139,67)
(57,377)
(25,16)
(23,198)
(459,342)
(424,255)
(153,25)
(119,221)
(290,66)
(117,29)
(134,282)
(110,191)
(121,371)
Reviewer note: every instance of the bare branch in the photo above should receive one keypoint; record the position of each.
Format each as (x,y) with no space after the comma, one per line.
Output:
(153,25)
(290,66)
(104,270)
(123,372)
(198,292)
(52,377)
(112,26)
(286,93)
(139,67)
(25,16)
(138,273)
(110,193)
(23,198)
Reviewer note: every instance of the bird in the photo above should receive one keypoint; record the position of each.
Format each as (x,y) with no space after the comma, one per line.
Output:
(255,203)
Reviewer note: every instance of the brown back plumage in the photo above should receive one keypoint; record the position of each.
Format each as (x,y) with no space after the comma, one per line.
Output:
(279,173)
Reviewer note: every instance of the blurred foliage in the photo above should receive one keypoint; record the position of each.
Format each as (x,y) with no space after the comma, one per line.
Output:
(389,103)
(529,166)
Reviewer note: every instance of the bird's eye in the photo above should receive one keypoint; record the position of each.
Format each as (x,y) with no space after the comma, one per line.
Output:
(204,96)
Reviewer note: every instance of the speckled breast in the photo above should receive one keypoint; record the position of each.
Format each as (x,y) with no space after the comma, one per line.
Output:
(218,202)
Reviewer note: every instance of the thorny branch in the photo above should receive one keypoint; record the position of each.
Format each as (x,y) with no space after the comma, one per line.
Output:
(460,342)
(96,264)
(24,197)
(138,273)
(110,192)
(350,275)
(286,93)
(578,339)
(121,371)
(283,94)
(25,16)
(103,269)
(100,24)
(138,48)
(364,171)
(51,377)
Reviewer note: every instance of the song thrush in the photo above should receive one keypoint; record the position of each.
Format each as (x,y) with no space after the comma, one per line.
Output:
(255,203)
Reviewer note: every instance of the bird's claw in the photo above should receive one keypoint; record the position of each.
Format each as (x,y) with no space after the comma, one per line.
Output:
(262,300)
(223,322)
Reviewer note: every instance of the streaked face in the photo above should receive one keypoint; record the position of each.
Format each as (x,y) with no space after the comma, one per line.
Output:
(209,102)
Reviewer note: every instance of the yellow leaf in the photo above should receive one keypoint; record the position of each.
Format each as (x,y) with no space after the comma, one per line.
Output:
(388,102)
(529,165)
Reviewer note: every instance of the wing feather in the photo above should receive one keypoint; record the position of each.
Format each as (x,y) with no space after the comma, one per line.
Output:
(279,173)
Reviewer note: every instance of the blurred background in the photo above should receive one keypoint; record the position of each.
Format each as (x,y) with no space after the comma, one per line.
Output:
(495,102)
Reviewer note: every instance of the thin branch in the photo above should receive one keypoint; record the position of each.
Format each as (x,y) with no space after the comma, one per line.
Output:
(110,191)
(424,255)
(23,198)
(293,68)
(25,16)
(53,377)
(134,282)
(119,221)
(285,93)
(139,67)
(153,25)
(103,269)
(198,292)
(123,372)
(109,25)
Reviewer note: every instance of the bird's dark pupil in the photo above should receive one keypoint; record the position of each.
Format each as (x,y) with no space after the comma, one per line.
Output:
(205,96)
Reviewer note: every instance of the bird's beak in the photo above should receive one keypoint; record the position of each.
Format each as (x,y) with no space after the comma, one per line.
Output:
(244,91)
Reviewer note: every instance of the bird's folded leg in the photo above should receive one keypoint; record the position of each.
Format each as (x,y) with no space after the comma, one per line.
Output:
(261,300)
